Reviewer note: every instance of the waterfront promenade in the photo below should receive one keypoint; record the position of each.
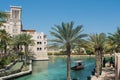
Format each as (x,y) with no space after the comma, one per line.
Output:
(108,73)
(19,73)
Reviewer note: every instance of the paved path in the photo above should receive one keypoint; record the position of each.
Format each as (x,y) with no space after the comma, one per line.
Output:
(108,73)
(11,70)
(18,74)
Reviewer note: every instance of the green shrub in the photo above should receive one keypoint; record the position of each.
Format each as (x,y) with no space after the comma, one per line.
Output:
(89,52)
(56,53)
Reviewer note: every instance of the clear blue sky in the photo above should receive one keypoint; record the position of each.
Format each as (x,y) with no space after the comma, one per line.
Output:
(95,15)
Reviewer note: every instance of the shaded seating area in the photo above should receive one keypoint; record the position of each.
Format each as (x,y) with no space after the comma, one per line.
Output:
(13,69)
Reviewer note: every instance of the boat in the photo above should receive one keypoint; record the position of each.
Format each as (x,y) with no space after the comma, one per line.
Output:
(79,66)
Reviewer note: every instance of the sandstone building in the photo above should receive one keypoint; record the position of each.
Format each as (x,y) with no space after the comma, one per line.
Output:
(14,26)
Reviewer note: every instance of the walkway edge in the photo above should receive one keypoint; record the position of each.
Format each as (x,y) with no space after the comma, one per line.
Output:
(18,74)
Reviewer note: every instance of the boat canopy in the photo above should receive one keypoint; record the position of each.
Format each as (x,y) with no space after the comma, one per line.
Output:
(78,61)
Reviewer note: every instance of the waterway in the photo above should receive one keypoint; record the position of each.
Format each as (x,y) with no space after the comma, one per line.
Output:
(56,69)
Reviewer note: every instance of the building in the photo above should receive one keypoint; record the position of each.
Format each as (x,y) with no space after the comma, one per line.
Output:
(14,24)
(14,27)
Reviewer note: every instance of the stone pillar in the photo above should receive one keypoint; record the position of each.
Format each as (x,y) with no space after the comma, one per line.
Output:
(117,66)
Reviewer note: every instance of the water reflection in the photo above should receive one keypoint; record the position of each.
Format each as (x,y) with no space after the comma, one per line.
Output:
(75,74)
(39,66)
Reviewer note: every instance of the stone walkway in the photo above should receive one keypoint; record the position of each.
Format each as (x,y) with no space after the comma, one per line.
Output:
(108,73)
(18,74)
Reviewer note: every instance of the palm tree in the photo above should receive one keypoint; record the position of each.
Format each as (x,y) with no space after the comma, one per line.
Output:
(3,17)
(67,35)
(53,47)
(17,43)
(24,39)
(17,46)
(115,40)
(5,38)
(109,46)
(98,41)
(79,45)
(3,34)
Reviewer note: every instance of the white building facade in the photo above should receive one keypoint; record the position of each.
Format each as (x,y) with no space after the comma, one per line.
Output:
(13,26)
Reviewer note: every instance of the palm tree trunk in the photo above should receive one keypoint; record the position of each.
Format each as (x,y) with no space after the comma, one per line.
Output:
(97,64)
(5,50)
(99,54)
(26,53)
(68,61)
(101,59)
(98,61)
(68,67)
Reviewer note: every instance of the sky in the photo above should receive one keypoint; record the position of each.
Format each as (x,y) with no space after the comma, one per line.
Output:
(96,16)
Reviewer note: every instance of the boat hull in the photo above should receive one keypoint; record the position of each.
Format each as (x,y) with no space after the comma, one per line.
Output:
(77,67)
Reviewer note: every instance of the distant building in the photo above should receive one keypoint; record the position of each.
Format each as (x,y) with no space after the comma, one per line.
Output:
(14,27)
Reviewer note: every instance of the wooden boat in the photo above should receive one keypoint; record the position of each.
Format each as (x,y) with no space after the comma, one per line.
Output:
(79,66)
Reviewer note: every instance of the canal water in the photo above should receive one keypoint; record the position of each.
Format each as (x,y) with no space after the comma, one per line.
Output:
(56,69)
